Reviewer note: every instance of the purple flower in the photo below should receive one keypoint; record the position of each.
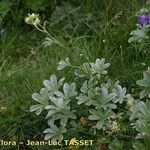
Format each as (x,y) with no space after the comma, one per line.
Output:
(144,19)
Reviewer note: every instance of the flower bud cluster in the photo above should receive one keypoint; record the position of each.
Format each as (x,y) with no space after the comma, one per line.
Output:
(32,19)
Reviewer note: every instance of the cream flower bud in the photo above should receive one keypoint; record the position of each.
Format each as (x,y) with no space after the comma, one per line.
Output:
(32,19)
(115,126)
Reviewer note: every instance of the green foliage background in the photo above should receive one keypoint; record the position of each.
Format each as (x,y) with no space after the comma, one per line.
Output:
(88,29)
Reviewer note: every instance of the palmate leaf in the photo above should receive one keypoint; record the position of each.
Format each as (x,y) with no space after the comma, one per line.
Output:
(89,91)
(101,116)
(76,126)
(63,116)
(66,113)
(105,100)
(45,93)
(63,64)
(54,132)
(84,71)
(144,93)
(144,110)
(60,110)
(42,97)
(88,85)
(145,82)
(121,92)
(141,114)
(59,106)
(89,69)
(135,110)
(86,68)
(69,91)
(83,99)
(87,99)
(99,67)
(59,102)
(53,84)
(37,108)
(139,34)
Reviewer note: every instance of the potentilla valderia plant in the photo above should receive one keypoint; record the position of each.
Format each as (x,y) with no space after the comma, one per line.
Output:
(92,101)
(94,104)
(143,25)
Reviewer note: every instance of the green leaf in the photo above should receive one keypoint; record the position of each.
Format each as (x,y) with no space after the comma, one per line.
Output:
(144,109)
(59,94)
(145,82)
(37,108)
(86,68)
(139,34)
(54,132)
(121,92)
(89,92)
(101,116)
(37,97)
(42,97)
(57,101)
(51,112)
(99,67)
(38,111)
(94,117)
(53,84)
(63,64)
(63,121)
(144,93)
(105,100)
(82,99)
(69,90)
(48,136)
(112,106)
(100,124)
(84,71)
